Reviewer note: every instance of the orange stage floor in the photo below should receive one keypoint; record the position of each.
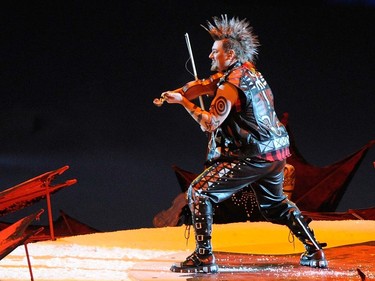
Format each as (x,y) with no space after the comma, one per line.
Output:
(245,251)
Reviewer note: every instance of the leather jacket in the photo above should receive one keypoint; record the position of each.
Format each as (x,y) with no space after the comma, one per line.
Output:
(252,128)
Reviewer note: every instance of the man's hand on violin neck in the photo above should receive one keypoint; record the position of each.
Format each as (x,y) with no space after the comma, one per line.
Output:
(172,97)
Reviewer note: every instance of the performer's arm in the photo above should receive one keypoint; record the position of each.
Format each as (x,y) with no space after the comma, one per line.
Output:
(220,107)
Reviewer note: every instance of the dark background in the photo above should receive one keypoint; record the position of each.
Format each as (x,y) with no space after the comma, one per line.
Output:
(78,79)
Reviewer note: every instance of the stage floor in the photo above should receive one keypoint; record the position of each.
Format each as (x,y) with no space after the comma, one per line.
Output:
(350,262)
(245,251)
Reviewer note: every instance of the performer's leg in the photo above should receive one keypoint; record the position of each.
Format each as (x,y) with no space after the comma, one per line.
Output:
(314,255)
(202,259)
(202,219)
(278,209)
(211,185)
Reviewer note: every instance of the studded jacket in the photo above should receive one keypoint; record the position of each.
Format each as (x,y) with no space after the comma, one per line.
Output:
(252,129)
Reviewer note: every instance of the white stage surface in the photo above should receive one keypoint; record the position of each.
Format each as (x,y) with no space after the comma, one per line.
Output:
(245,251)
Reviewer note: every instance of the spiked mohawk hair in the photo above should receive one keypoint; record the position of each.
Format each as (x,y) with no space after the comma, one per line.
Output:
(237,35)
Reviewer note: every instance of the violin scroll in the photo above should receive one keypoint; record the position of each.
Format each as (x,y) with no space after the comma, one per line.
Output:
(159,101)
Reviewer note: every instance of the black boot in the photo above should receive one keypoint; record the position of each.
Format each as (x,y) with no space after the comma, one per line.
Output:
(202,259)
(314,255)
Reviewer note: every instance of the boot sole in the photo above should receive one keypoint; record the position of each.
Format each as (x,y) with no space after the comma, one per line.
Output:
(211,268)
(315,263)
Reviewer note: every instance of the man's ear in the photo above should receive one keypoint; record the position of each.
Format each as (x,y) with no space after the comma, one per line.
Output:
(231,54)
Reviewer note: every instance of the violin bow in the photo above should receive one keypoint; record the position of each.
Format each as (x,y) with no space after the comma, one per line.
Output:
(193,65)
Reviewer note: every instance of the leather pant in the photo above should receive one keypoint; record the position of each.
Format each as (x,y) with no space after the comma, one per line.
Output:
(221,180)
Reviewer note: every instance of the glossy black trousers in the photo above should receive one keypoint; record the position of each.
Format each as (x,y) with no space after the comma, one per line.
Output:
(222,179)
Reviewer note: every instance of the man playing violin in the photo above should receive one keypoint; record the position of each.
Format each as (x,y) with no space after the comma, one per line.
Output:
(248,146)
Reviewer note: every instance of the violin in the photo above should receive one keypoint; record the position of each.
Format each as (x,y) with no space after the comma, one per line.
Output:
(196,88)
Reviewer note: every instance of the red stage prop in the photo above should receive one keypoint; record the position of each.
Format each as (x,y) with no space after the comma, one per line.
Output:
(16,234)
(31,191)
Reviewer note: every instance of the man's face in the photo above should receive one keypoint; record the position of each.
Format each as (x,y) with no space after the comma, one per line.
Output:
(220,59)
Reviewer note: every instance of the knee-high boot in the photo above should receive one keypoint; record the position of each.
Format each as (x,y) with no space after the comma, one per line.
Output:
(202,259)
(202,223)
(314,255)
